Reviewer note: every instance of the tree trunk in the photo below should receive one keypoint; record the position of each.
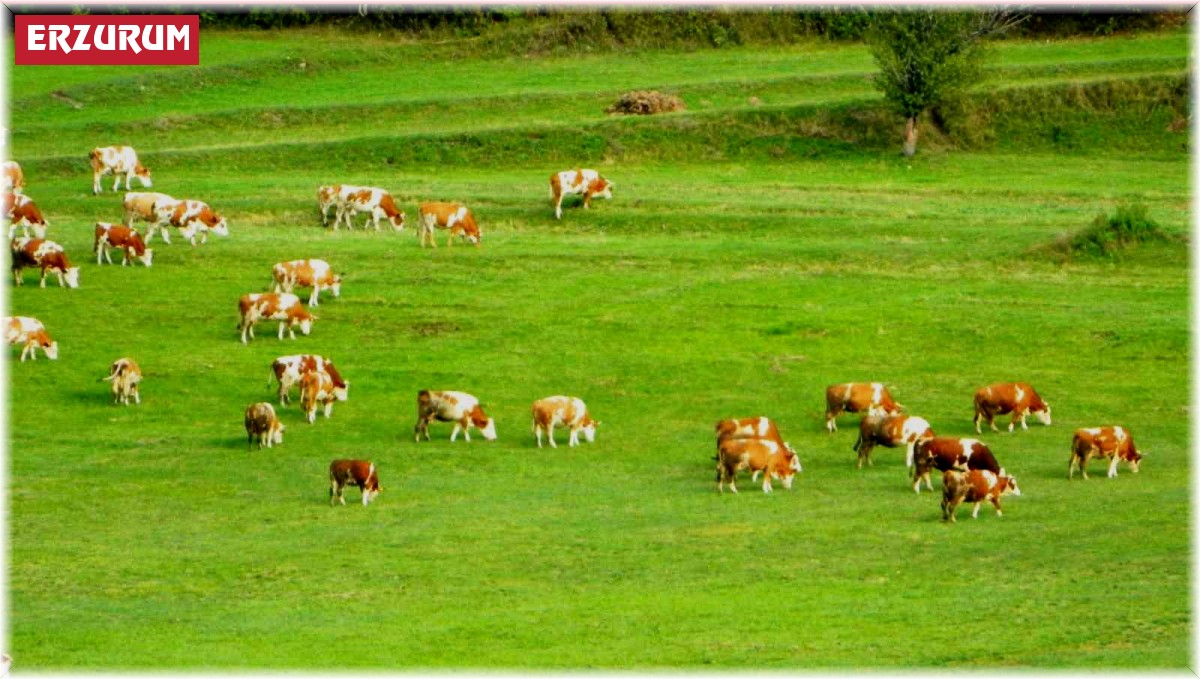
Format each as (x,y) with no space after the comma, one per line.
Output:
(910,137)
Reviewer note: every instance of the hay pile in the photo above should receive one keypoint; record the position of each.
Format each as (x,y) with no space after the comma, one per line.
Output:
(646,102)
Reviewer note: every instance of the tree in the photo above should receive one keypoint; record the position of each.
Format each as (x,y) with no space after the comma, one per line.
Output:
(927,55)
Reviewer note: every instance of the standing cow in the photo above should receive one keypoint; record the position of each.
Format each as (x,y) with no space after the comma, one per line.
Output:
(125,375)
(123,238)
(974,486)
(316,389)
(270,306)
(1115,443)
(453,217)
(118,161)
(191,217)
(587,183)
(47,256)
(948,452)
(31,335)
(377,203)
(327,197)
(891,431)
(21,211)
(262,424)
(758,455)
(452,406)
(565,410)
(139,205)
(306,273)
(854,397)
(361,473)
(1017,398)
(289,370)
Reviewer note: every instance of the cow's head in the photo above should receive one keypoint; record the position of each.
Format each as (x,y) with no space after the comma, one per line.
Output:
(787,466)
(306,324)
(71,276)
(342,393)
(489,430)
(146,257)
(336,287)
(397,221)
(601,188)
(589,430)
(221,228)
(51,350)
(39,229)
(371,488)
(277,432)
(1043,415)
(1008,485)
(1133,457)
(143,174)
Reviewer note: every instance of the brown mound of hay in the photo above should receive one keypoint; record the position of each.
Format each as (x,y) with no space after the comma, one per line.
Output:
(646,102)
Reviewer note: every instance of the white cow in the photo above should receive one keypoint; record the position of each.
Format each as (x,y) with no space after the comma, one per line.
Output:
(117,160)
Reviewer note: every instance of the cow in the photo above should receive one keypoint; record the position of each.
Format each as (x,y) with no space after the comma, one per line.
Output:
(1115,443)
(11,177)
(891,431)
(948,452)
(316,389)
(289,370)
(576,182)
(31,335)
(565,410)
(452,406)
(262,424)
(454,217)
(854,397)
(139,205)
(758,455)
(327,197)
(377,203)
(47,256)
(1017,398)
(361,473)
(974,486)
(20,210)
(125,375)
(117,160)
(123,238)
(748,428)
(306,273)
(190,217)
(271,306)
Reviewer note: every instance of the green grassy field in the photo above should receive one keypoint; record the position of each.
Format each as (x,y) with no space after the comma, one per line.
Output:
(711,286)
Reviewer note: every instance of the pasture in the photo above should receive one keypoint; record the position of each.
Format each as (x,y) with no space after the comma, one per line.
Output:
(718,282)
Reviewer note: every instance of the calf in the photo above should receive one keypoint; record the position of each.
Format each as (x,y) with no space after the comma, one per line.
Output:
(125,376)
(1115,443)
(891,431)
(377,203)
(452,406)
(854,397)
(564,410)
(947,452)
(262,424)
(47,256)
(271,306)
(361,473)
(190,217)
(587,183)
(11,177)
(758,455)
(289,370)
(139,205)
(974,486)
(306,273)
(316,388)
(20,210)
(448,216)
(31,335)
(748,428)
(1017,398)
(117,160)
(123,238)
(327,197)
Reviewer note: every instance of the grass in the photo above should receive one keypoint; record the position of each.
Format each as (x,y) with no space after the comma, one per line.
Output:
(149,537)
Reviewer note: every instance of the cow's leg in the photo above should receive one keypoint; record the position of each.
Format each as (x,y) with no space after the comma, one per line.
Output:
(996,504)
(282,325)
(537,432)
(558,210)
(1024,414)
(587,200)
(328,408)
(550,434)
(96,183)
(454,432)
(117,181)
(1071,465)
(975,511)
(332,490)
(573,439)
(312,299)
(42,281)
(1112,466)
(766,483)
(908,453)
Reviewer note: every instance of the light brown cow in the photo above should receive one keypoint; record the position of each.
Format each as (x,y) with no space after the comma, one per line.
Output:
(316,389)
(890,431)
(377,203)
(117,160)
(974,486)
(748,428)
(854,397)
(1115,443)
(576,182)
(948,452)
(361,473)
(31,335)
(758,455)
(458,407)
(327,197)
(454,217)
(191,217)
(123,238)
(21,211)
(47,256)
(139,205)
(1017,398)
(11,177)
(125,376)
(306,273)
(289,370)
(262,424)
(272,306)
(565,410)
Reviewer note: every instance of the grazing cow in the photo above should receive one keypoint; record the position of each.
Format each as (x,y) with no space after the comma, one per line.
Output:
(758,455)
(891,431)
(11,177)
(589,183)
(289,370)
(306,273)
(975,486)
(564,410)
(361,473)
(1017,398)
(123,238)
(273,306)
(47,256)
(1115,443)
(140,205)
(327,197)
(452,216)
(31,335)
(855,397)
(20,210)
(117,160)
(748,428)
(947,452)
(190,217)
(452,406)
(316,388)
(125,376)
(377,203)
(261,423)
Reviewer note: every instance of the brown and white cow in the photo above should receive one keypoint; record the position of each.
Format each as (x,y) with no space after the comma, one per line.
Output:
(316,389)
(191,217)
(123,238)
(11,177)
(125,375)
(1017,398)
(452,406)
(974,486)
(273,306)
(117,160)
(948,452)
(890,431)
(377,203)
(139,205)
(306,273)
(748,428)
(587,183)
(1115,443)
(262,424)
(565,410)
(327,197)
(361,473)
(47,256)
(758,455)
(31,335)
(854,397)
(454,217)
(289,370)
(20,210)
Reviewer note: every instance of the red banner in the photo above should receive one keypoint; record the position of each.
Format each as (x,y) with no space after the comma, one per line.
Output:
(89,40)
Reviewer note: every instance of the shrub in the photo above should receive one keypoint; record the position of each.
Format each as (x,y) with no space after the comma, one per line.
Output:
(1109,235)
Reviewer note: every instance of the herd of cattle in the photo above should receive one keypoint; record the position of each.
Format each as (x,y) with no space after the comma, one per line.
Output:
(970,472)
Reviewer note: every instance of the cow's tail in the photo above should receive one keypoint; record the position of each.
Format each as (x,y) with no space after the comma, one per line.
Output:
(270,378)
